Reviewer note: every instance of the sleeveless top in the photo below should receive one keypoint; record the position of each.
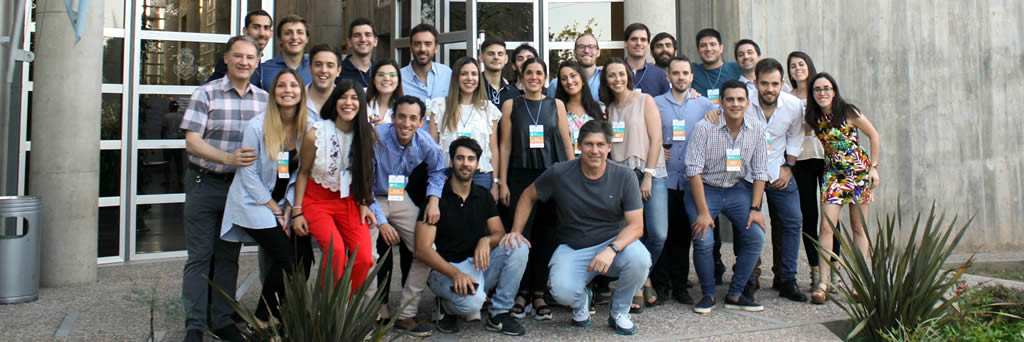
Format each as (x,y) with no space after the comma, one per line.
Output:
(524,157)
(332,154)
(632,152)
(811,146)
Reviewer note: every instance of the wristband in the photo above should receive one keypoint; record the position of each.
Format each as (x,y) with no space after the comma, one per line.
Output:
(649,171)
(497,180)
(296,216)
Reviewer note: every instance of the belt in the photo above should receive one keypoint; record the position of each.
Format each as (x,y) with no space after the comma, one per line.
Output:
(225,177)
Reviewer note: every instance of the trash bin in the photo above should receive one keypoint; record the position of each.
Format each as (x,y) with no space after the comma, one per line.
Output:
(19,254)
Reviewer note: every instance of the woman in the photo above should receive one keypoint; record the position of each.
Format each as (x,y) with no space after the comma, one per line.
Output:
(636,143)
(467,112)
(262,193)
(333,190)
(850,173)
(579,108)
(385,86)
(522,52)
(524,156)
(810,165)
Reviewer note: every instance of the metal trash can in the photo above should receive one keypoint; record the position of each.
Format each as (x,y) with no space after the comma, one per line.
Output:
(19,254)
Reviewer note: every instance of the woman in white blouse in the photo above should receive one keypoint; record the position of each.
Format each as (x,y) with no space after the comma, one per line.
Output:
(467,112)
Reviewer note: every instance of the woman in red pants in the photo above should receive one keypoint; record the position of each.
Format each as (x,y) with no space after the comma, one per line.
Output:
(333,188)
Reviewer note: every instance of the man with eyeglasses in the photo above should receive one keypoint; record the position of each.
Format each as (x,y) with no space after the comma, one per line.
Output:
(586,53)
(647,78)
(494,57)
(362,41)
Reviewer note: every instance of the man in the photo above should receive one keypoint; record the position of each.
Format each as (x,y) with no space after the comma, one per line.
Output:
(647,78)
(400,148)
(213,124)
(663,48)
(679,113)
(260,27)
(747,55)
(362,41)
(494,57)
(466,265)
(719,156)
(324,67)
(293,35)
(601,218)
(586,53)
(423,78)
(709,75)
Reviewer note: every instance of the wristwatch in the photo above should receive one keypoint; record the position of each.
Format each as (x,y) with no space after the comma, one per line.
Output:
(788,165)
(496,180)
(615,248)
(757,208)
(649,171)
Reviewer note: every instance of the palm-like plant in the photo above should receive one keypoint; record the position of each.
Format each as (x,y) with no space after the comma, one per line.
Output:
(902,283)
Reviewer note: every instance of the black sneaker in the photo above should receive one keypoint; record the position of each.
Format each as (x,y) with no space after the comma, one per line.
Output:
(505,324)
(409,326)
(229,333)
(447,323)
(194,335)
(743,303)
(706,304)
(751,288)
(682,296)
(788,289)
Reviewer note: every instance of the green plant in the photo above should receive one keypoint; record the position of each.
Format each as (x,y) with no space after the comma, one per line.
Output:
(987,313)
(170,308)
(324,309)
(902,282)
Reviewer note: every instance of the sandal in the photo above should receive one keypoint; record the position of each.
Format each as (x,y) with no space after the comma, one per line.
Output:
(542,312)
(637,306)
(650,293)
(518,309)
(820,294)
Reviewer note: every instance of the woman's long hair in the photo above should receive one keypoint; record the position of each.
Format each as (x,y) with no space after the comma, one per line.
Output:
(605,92)
(590,106)
(274,136)
(362,158)
(452,108)
(840,109)
(371,87)
(810,69)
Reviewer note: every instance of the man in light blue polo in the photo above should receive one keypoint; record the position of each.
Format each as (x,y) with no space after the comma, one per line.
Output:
(424,78)
(679,114)
(586,53)
(293,35)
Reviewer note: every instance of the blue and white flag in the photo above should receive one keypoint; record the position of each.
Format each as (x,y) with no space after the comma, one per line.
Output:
(77,14)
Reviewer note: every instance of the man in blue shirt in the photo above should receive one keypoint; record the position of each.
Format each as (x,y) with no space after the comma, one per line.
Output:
(679,114)
(293,35)
(494,57)
(709,76)
(663,48)
(400,148)
(424,78)
(362,41)
(647,78)
(586,53)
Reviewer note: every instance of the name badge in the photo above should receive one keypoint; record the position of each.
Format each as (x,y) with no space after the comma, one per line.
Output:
(282,165)
(637,90)
(576,148)
(618,131)
(536,136)
(463,133)
(396,187)
(678,130)
(732,160)
(768,139)
(713,96)
(345,179)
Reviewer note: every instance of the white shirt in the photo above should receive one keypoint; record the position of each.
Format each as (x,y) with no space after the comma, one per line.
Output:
(812,148)
(784,131)
(480,123)
(373,111)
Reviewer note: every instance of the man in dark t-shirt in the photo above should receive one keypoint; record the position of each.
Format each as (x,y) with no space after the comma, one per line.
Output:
(601,217)
(466,265)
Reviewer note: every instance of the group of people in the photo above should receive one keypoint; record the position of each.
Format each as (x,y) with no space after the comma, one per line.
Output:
(514,192)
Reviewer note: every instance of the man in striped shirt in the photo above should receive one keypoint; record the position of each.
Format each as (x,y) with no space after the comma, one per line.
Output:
(717,159)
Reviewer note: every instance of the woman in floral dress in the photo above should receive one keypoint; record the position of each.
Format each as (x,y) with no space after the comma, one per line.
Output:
(850,173)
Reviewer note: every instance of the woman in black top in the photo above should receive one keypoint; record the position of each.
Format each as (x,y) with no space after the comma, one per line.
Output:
(534,136)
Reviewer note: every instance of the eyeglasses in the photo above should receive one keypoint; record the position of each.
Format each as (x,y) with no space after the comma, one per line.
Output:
(824,90)
(586,47)
(386,74)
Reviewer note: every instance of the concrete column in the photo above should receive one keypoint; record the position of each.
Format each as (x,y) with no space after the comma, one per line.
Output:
(658,15)
(66,139)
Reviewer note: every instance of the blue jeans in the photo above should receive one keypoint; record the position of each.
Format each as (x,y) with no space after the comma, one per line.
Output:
(569,274)
(784,207)
(734,202)
(656,218)
(504,272)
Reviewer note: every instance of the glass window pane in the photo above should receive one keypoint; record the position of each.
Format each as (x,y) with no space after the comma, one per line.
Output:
(160,116)
(28,119)
(508,21)
(109,231)
(113,13)
(555,57)
(454,55)
(568,20)
(204,16)
(178,63)
(113,60)
(160,228)
(161,171)
(110,173)
(110,126)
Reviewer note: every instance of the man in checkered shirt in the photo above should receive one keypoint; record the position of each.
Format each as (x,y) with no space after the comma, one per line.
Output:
(213,124)
(718,158)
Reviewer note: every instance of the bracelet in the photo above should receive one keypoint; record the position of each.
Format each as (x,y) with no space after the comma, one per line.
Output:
(297,207)
(296,216)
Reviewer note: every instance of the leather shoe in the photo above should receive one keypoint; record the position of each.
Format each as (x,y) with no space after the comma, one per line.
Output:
(788,289)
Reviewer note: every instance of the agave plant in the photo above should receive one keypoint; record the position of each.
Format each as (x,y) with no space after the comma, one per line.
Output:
(323,310)
(902,283)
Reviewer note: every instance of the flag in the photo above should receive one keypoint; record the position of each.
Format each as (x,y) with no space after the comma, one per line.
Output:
(77,13)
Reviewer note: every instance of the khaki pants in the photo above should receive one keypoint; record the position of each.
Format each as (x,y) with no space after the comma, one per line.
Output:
(402,216)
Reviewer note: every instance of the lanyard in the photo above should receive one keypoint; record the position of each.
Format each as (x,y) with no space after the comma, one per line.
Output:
(712,85)
(636,83)
(528,111)
(465,121)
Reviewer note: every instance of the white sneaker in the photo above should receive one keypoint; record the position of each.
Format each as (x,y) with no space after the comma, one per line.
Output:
(622,323)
